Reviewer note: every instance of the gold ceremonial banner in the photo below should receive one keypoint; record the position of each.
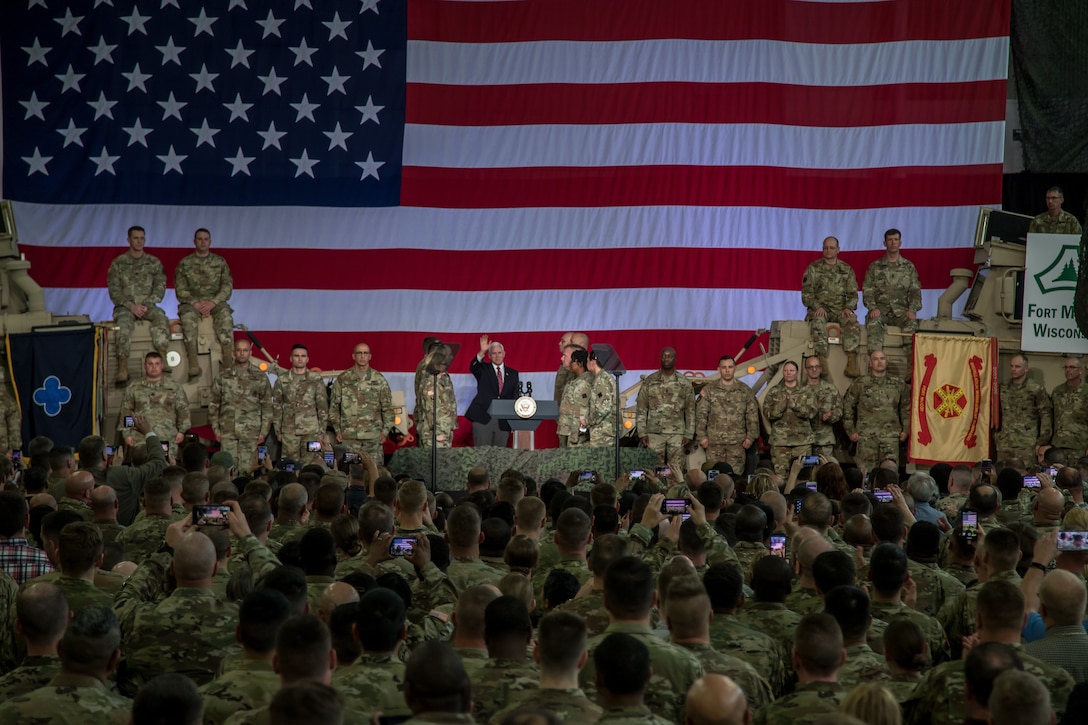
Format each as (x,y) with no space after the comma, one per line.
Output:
(953,398)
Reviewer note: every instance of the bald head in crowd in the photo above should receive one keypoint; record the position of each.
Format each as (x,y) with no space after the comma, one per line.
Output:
(194,562)
(1048,508)
(104,502)
(79,486)
(716,700)
(334,595)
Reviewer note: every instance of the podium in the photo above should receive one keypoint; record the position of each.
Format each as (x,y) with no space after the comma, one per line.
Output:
(504,410)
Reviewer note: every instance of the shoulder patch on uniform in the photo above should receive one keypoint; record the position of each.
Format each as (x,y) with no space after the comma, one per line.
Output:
(440,616)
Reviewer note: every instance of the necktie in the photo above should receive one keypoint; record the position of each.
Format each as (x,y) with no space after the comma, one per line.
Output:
(498,374)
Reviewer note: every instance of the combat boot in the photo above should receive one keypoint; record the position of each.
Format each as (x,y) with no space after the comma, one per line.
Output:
(122,370)
(194,363)
(851,370)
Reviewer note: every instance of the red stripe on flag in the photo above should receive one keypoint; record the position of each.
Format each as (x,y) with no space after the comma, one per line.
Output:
(972,185)
(744,268)
(850,106)
(786,20)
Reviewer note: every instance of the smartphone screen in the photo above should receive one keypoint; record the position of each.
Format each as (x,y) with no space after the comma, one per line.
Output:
(313,446)
(674,506)
(166,448)
(1031,482)
(811,461)
(969,523)
(797,505)
(402,546)
(1073,541)
(330,459)
(111,450)
(712,474)
(210,515)
(129,421)
(585,476)
(637,474)
(662,471)
(810,485)
(883,495)
(262,453)
(778,545)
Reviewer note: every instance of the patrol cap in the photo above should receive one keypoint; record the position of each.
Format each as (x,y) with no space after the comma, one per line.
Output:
(579,356)
(222,458)
(719,466)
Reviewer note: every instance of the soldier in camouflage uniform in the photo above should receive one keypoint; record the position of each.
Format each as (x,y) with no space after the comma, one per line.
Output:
(300,407)
(665,411)
(828,408)
(818,650)
(145,535)
(876,413)
(1055,220)
(573,424)
(509,671)
(829,291)
(790,408)
(727,417)
(891,292)
(361,406)
(1026,415)
(562,376)
(203,285)
(425,401)
(89,651)
(11,424)
(1071,411)
(42,612)
(375,682)
(240,411)
(137,284)
(602,405)
(161,401)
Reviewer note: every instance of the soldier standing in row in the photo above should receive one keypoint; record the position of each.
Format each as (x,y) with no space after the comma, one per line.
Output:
(240,411)
(562,376)
(602,404)
(573,424)
(11,424)
(665,410)
(1055,220)
(1070,403)
(300,406)
(361,406)
(829,290)
(727,417)
(137,284)
(892,293)
(425,400)
(203,285)
(1026,414)
(161,401)
(828,408)
(790,408)
(876,413)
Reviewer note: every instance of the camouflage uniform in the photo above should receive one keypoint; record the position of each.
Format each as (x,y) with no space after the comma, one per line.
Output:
(903,686)
(79,592)
(573,409)
(590,607)
(424,412)
(137,281)
(602,410)
(361,410)
(373,682)
(1026,420)
(790,412)
(1070,420)
(834,288)
(772,619)
(281,533)
(878,410)
(829,401)
(957,616)
(163,403)
(205,278)
(68,699)
(33,673)
(240,412)
(894,289)
(726,415)
(748,553)
(110,530)
(714,662)
(665,413)
(935,587)
(144,537)
(468,572)
(190,632)
(562,377)
(934,632)
(674,669)
(499,682)
(11,423)
(300,412)
(951,504)
(1064,223)
(248,686)
(571,705)
(804,601)
(862,665)
(75,506)
(728,635)
(573,563)
(807,703)
(633,715)
(941,694)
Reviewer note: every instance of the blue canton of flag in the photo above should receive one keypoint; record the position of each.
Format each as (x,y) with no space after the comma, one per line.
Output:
(54,377)
(217,102)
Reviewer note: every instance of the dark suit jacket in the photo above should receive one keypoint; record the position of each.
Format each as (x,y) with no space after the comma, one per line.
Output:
(487,389)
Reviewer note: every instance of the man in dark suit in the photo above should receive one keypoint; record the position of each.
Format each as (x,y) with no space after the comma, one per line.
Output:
(494,380)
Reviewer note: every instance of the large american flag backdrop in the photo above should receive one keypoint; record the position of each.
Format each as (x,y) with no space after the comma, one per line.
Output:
(654,173)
